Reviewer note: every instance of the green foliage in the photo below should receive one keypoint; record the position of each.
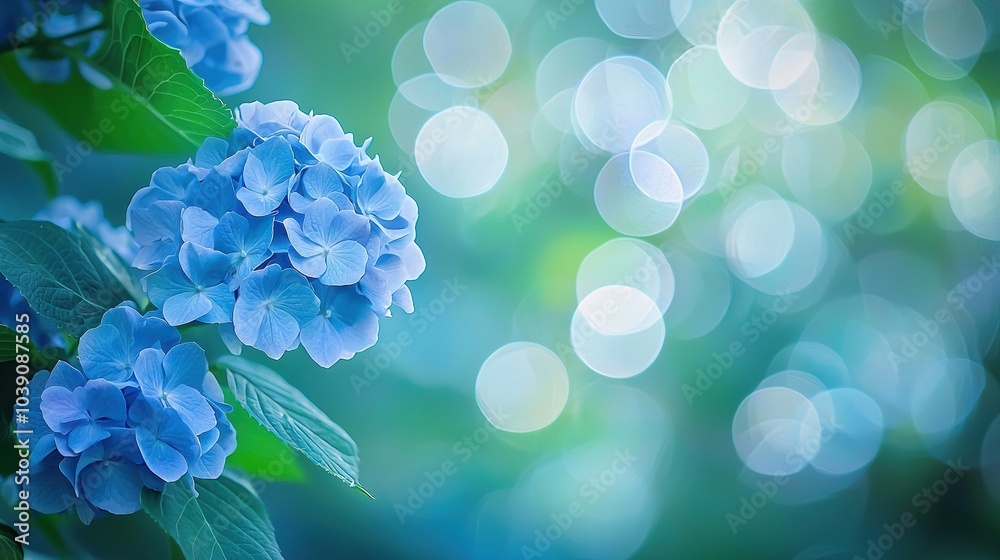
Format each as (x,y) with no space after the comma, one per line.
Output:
(114,263)
(258,452)
(60,274)
(155,103)
(288,414)
(225,521)
(19,143)
(9,548)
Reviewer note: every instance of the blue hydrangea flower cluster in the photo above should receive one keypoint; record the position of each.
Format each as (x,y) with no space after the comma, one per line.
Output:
(141,411)
(286,233)
(211,35)
(68,213)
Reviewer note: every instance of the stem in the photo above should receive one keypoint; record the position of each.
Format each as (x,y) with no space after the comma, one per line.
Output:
(43,41)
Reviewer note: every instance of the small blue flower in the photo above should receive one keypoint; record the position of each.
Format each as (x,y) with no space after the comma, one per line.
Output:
(193,287)
(175,379)
(85,414)
(261,120)
(214,193)
(157,229)
(325,139)
(108,475)
(216,444)
(247,241)
(344,326)
(109,351)
(273,305)
(167,444)
(267,177)
(329,244)
(381,198)
(315,182)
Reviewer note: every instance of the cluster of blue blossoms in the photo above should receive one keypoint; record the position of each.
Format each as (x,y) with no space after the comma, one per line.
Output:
(211,35)
(285,233)
(67,213)
(142,411)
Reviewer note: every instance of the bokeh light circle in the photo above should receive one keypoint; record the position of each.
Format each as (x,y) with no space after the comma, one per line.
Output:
(628,209)
(934,138)
(852,430)
(767,44)
(680,148)
(467,44)
(627,262)
(636,19)
(705,95)
(974,189)
(776,431)
(954,28)
(522,387)
(616,99)
(461,152)
(617,331)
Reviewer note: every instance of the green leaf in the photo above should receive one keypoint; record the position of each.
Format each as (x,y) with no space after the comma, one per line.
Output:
(288,414)
(226,520)
(115,265)
(155,104)
(19,143)
(59,274)
(8,344)
(259,453)
(10,549)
